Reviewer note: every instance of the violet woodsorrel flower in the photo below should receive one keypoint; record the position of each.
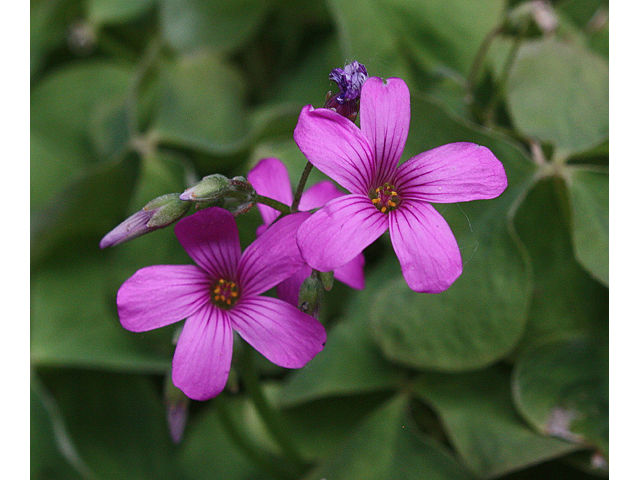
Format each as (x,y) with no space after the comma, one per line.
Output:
(387,196)
(222,294)
(271,179)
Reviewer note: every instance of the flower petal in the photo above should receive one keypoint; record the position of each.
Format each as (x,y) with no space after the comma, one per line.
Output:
(336,147)
(271,179)
(339,231)
(272,257)
(318,195)
(202,358)
(211,238)
(352,273)
(160,295)
(456,172)
(278,330)
(385,113)
(425,246)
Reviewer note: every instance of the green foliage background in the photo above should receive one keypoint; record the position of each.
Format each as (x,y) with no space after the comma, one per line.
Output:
(505,375)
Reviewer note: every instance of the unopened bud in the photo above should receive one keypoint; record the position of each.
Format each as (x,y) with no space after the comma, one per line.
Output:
(210,188)
(310,295)
(241,196)
(350,81)
(327,280)
(177,409)
(531,18)
(158,213)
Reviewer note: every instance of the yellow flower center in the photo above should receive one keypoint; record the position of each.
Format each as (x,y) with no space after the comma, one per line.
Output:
(224,293)
(385,198)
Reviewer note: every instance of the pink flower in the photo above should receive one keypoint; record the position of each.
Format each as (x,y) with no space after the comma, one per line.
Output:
(387,196)
(271,179)
(219,295)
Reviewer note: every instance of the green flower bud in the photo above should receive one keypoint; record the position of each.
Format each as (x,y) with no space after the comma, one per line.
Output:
(210,188)
(169,208)
(327,280)
(310,296)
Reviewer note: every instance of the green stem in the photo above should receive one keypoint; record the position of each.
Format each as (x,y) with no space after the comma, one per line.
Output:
(478,61)
(300,189)
(275,204)
(261,458)
(272,419)
(504,75)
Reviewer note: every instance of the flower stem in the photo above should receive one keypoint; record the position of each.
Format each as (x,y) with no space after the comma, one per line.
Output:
(478,61)
(260,457)
(281,207)
(272,419)
(502,81)
(301,184)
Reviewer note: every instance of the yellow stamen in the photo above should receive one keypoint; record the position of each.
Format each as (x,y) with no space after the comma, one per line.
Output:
(376,200)
(383,209)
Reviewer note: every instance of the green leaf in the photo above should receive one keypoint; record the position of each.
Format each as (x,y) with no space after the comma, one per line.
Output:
(201,105)
(62,106)
(49,22)
(561,388)
(437,35)
(559,93)
(207,450)
(589,198)
(69,182)
(566,298)
(74,322)
(52,454)
(116,11)
(189,25)
(350,363)
(386,446)
(117,423)
(340,415)
(482,423)
(482,316)
(88,207)
(109,127)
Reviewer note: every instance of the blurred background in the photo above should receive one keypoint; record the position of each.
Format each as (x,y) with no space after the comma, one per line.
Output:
(503,376)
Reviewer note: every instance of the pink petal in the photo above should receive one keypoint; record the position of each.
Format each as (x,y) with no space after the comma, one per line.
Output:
(352,273)
(289,289)
(272,257)
(202,358)
(319,194)
(160,295)
(211,238)
(456,172)
(271,179)
(385,112)
(336,147)
(425,246)
(278,330)
(339,231)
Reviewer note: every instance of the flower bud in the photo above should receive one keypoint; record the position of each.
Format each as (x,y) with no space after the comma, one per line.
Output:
(310,295)
(210,188)
(327,280)
(350,81)
(241,196)
(531,18)
(158,213)
(177,408)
